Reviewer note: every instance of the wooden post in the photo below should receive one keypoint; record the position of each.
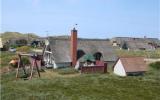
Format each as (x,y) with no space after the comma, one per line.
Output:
(32,64)
(105,67)
(19,64)
(37,67)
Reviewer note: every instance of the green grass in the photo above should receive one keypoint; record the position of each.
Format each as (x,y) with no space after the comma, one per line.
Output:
(10,35)
(65,71)
(155,65)
(83,87)
(5,58)
(80,87)
(148,54)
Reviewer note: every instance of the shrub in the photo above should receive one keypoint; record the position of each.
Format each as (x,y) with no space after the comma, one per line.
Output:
(14,46)
(21,42)
(155,65)
(25,61)
(24,49)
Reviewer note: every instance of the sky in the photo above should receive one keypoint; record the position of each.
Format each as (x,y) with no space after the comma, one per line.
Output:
(95,18)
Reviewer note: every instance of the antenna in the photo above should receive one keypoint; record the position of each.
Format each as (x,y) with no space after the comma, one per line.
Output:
(75,25)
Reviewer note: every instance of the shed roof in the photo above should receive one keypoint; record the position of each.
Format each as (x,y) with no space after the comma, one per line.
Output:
(134,64)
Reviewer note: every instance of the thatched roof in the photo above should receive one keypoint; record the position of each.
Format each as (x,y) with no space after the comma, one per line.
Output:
(136,45)
(61,48)
(138,41)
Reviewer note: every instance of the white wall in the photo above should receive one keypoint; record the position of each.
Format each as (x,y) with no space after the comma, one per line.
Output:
(114,44)
(119,69)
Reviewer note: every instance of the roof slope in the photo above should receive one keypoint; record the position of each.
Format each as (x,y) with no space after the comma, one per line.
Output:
(134,45)
(134,64)
(61,48)
(103,46)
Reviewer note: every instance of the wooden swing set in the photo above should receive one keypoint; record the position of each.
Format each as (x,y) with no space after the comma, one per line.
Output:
(35,60)
(34,63)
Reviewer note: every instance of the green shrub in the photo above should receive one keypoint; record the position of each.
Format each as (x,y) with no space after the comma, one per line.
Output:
(25,61)
(155,65)
(21,42)
(23,49)
(14,46)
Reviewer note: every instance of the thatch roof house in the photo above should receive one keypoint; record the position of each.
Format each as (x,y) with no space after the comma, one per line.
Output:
(139,45)
(68,50)
(130,66)
(136,43)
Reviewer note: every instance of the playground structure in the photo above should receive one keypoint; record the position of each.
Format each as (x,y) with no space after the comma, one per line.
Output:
(36,61)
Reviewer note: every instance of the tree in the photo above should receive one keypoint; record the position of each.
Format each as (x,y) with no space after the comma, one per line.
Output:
(124,46)
(21,42)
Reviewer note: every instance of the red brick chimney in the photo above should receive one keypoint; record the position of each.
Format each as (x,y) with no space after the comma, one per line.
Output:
(74,46)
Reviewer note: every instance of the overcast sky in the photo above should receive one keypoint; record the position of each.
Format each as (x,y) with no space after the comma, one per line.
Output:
(95,18)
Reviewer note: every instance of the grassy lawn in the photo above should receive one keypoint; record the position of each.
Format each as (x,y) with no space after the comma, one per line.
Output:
(64,84)
(5,58)
(82,87)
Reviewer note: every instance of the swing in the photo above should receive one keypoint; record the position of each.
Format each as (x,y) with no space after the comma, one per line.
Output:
(34,63)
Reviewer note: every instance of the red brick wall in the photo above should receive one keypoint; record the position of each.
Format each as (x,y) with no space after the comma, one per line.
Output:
(74,47)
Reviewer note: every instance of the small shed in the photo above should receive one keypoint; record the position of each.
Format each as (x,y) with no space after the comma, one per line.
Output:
(129,66)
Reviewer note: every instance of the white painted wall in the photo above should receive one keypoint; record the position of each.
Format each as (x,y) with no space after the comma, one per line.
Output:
(55,65)
(115,44)
(77,65)
(119,69)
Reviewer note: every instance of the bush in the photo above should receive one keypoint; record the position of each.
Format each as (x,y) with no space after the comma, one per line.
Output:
(24,49)
(155,65)
(25,61)
(14,46)
(21,42)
